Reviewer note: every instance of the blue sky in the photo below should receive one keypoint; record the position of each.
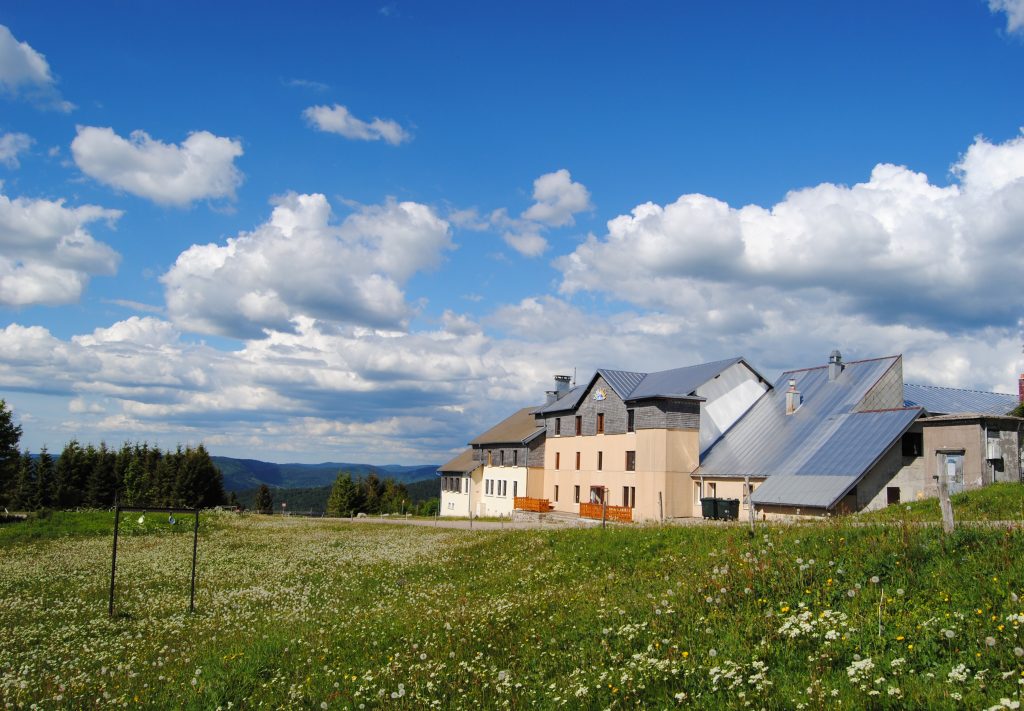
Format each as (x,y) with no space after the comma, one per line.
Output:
(302,232)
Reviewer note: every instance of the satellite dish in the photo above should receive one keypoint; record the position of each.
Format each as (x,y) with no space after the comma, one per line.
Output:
(171,520)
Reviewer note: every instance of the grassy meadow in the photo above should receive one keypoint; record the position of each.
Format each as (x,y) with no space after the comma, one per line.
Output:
(300,613)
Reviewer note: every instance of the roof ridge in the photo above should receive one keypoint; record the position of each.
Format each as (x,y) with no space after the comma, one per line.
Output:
(845,362)
(965,390)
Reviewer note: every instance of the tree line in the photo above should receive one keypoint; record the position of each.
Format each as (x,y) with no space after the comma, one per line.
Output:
(134,475)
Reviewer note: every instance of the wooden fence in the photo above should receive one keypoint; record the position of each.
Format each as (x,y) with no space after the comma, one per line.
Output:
(525,503)
(622,514)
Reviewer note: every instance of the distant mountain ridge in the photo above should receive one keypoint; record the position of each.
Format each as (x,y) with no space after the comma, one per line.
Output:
(242,474)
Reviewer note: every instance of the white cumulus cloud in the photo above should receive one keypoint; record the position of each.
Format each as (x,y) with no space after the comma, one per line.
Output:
(11,144)
(47,253)
(201,167)
(895,249)
(1014,10)
(557,198)
(25,72)
(338,119)
(301,263)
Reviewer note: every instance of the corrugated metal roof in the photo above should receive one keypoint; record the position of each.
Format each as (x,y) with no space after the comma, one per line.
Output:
(462,464)
(569,401)
(521,427)
(824,437)
(629,385)
(622,381)
(679,382)
(949,401)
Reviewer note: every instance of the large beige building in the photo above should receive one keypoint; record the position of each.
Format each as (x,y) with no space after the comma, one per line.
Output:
(836,438)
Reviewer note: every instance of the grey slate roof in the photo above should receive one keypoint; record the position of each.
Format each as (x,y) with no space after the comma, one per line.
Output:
(949,401)
(462,464)
(815,455)
(629,385)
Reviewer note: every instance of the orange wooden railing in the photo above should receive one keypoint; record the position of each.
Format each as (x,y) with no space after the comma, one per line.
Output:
(525,503)
(621,514)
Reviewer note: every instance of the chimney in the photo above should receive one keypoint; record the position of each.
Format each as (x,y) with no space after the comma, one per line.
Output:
(835,364)
(793,398)
(561,388)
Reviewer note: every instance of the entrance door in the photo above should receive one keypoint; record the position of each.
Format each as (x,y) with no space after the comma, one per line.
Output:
(597,494)
(951,465)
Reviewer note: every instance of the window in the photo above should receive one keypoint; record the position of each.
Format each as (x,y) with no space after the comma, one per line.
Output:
(489,453)
(558,460)
(501,457)
(579,424)
(515,457)
(913,444)
(697,493)
(515,489)
(631,460)
(600,423)
(629,496)
(577,461)
(558,426)
(597,494)
(892,495)
(630,420)
(600,461)
(712,489)
(556,492)
(457,485)
(576,494)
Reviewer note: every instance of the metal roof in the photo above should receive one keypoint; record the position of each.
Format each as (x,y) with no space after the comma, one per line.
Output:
(950,401)
(569,401)
(630,385)
(825,437)
(519,428)
(462,464)
(679,382)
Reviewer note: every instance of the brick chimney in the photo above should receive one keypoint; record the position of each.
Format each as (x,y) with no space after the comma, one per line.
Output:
(793,398)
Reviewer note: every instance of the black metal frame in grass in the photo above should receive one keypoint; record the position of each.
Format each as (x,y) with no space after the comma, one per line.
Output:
(151,509)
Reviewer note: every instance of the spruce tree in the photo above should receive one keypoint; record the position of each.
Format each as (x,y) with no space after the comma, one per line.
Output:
(264,501)
(70,476)
(101,485)
(342,500)
(44,479)
(24,493)
(10,437)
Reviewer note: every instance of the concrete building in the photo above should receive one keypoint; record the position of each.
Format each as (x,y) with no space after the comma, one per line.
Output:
(631,440)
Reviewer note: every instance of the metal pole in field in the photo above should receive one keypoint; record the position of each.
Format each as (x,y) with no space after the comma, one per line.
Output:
(604,507)
(195,548)
(113,560)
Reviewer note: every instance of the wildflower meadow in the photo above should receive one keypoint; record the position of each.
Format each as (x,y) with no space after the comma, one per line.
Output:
(300,613)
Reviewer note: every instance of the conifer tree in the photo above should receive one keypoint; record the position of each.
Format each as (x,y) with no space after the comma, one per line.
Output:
(264,501)
(70,476)
(343,498)
(10,436)
(101,485)
(24,492)
(44,479)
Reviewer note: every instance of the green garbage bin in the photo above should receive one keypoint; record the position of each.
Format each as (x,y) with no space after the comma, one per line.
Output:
(709,507)
(729,509)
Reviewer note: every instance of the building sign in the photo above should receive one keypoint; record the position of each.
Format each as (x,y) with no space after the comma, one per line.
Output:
(600,394)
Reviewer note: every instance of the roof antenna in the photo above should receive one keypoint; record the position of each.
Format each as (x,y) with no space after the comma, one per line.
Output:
(574,376)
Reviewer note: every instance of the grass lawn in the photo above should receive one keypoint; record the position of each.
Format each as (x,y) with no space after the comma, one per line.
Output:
(998,502)
(315,613)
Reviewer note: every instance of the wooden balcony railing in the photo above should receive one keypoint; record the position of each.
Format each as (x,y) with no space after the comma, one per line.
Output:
(621,514)
(525,503)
